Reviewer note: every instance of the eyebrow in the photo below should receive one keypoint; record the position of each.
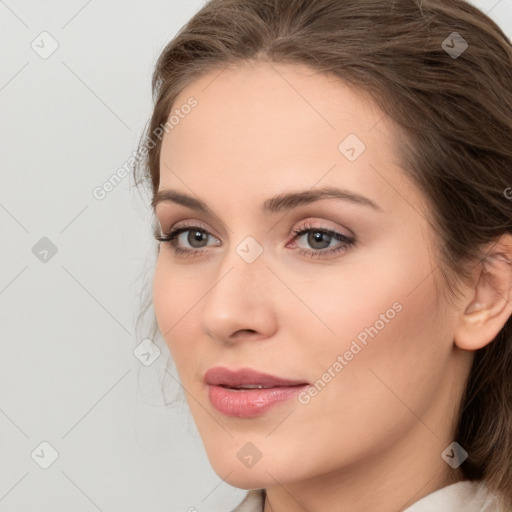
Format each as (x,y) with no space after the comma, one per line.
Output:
(279,203)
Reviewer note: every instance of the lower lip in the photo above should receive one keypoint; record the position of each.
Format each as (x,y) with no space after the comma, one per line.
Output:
(250,402)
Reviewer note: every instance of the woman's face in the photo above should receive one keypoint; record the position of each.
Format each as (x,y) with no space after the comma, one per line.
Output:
(349,308)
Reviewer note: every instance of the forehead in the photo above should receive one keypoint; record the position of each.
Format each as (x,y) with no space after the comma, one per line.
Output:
(265,127)
(287,100)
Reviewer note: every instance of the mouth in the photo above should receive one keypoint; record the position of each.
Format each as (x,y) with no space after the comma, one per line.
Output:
(246,378)
(254,386)
(247,393)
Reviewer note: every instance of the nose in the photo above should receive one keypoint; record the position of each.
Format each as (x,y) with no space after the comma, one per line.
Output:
(240,302)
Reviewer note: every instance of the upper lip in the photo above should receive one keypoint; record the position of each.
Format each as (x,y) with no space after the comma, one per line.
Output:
(219,376)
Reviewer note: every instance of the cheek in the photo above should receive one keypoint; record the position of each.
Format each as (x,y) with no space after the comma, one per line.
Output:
(390,332)
(176,297)
(172,302)
(392,349)
(162,297)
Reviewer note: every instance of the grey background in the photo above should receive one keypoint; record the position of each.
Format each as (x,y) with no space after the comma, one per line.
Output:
(69,376)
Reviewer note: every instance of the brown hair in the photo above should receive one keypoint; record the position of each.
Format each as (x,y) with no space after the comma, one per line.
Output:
(455,114)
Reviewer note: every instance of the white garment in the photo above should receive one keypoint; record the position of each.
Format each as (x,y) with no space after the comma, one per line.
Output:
(464,496)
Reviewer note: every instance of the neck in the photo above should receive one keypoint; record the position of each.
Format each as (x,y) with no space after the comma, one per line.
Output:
(383,483)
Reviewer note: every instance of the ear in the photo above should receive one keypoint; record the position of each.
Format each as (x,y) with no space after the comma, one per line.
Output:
(490,300)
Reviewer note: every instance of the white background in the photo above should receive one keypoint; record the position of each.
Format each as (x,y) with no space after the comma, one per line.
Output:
(69,376)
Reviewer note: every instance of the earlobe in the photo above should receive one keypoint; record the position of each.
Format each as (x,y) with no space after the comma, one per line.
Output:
(490,305)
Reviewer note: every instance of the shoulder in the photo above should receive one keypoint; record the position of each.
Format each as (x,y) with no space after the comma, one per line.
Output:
(467,495)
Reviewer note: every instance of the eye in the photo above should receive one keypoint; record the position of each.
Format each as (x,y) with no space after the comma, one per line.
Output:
(320,239)
(195,236)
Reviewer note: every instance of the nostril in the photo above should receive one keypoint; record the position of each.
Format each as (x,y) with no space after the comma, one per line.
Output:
(243,332)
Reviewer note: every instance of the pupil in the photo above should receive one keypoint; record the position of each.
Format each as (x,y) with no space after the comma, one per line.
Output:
(317,237)
(196,236)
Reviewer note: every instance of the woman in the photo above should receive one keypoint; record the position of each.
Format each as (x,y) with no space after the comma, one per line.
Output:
(331,181)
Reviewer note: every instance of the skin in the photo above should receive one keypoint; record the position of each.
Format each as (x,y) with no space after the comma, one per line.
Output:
(372,439)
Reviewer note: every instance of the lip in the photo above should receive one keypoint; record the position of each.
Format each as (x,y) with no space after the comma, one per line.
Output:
(248,403)
(220,376)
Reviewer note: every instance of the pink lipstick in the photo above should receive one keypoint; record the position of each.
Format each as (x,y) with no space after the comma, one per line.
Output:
(246,393)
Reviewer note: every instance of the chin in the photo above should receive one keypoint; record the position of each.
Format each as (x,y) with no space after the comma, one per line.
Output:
(245,479)
(264,473)
(236,473)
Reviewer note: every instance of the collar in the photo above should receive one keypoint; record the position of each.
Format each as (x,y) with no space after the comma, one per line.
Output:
(467,495)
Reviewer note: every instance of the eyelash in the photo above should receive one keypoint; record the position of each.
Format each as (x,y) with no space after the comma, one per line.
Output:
(171,235)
